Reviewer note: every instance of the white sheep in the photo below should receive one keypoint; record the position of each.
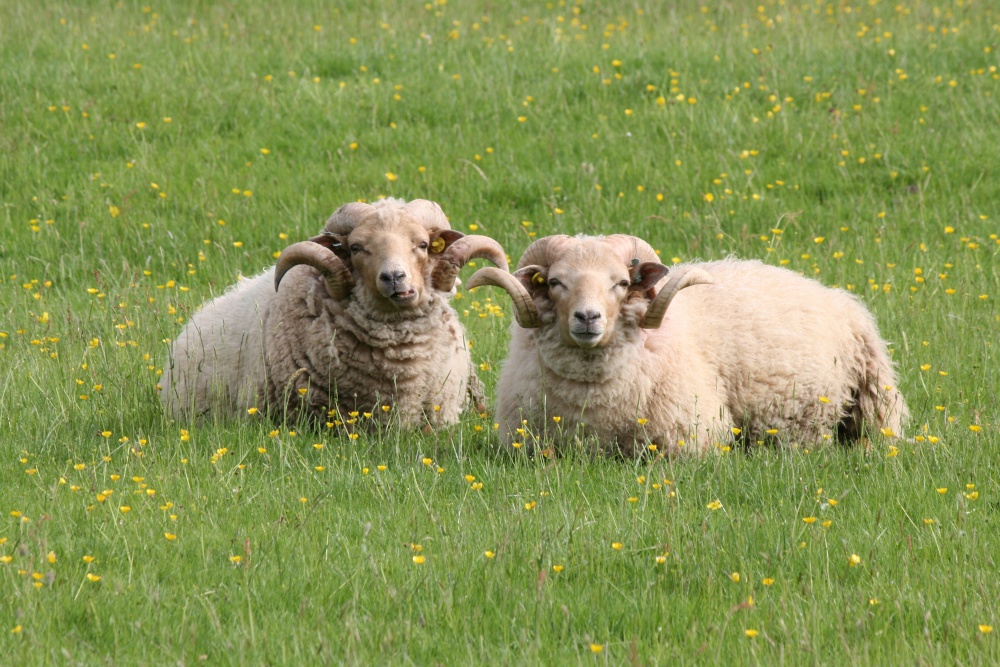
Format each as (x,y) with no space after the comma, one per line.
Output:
(361,320)
(744,349)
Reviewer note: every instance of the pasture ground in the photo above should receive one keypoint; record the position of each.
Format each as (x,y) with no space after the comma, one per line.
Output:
(151,154)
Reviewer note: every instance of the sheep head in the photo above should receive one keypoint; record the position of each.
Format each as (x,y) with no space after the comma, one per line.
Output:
(587,283)
(394,250)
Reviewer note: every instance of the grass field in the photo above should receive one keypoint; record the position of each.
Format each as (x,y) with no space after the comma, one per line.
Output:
(149,155)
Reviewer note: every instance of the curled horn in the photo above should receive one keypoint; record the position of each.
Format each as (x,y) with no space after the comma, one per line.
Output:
(678,280)
(459,253)
(524,307)
(631,248)
(347,217)
(339,281)
(428,213)
(539,251)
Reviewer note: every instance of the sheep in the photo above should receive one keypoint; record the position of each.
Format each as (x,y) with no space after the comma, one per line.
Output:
(361,320)
(744,348)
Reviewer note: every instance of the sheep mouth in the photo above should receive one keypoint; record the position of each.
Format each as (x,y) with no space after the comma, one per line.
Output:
(586,339)
(404,298)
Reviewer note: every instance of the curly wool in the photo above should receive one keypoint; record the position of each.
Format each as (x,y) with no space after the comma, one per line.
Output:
(755,351)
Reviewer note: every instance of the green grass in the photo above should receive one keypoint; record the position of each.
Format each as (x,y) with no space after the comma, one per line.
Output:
(866,133)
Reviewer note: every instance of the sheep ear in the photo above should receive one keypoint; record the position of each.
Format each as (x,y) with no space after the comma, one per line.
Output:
(646,276)
(335,243)
(440,239)
(535,279)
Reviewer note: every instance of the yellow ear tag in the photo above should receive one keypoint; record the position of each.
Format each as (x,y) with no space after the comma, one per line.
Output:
(437,246)
(538,279)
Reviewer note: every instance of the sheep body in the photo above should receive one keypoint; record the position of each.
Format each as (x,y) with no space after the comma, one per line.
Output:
(301,350)
(761,351)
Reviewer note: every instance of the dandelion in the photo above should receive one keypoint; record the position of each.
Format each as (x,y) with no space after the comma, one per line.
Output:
(809,519)
(557,419)
(489,554)
(235,560)
(735,576)
(596,648)
(767,581)
(391,177)
(617,546)
(942,490)
(51,557)
(854,560)
(93,577)
(985,629)
(750,632)
(661,559)
(88,559)
(251,411)
(558,568)
(419,560)
(170,537)
(714,505)
(530,505)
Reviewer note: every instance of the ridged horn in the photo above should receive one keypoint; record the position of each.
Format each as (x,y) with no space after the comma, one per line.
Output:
(347,217)
(339,281)
(540,251)
(524,307)
(429,213)
(676,281)
(632,247)
(459,253)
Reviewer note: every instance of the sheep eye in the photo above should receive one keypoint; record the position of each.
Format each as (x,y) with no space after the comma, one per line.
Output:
(554,283)
(355,248)
(423,245)
(623,283)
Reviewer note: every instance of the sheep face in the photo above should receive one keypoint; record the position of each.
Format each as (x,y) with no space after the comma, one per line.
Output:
(392,255)
(587,289)
(391,258)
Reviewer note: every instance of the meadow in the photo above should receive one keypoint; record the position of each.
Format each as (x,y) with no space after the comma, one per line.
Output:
(150,155)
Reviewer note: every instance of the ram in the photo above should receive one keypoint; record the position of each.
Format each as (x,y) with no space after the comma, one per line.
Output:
(612,344)
(353,320)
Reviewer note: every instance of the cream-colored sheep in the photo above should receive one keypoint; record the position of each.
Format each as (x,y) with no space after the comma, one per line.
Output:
(743,348)
(361,320)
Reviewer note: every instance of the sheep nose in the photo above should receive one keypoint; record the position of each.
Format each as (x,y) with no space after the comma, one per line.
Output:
(587,316)
(391,276)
